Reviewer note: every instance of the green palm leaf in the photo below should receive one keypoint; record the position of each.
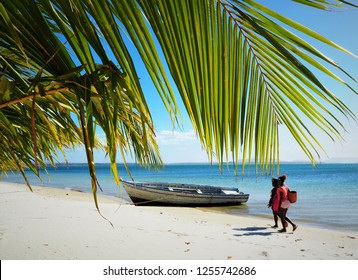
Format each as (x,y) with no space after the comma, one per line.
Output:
(261,71)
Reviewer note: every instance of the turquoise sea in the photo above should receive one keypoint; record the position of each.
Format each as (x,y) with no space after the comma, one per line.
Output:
(327,194)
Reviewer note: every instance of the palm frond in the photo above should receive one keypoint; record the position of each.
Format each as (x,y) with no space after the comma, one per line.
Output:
(59,86)
(258,76)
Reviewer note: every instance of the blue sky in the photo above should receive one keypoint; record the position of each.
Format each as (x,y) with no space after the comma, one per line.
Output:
(182,145)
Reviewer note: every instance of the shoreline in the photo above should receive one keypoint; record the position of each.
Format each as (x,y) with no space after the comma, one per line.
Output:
(51,223)
(318,210)
(225,210)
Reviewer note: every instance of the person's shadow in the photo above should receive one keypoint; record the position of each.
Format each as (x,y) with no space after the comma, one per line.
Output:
(251,231)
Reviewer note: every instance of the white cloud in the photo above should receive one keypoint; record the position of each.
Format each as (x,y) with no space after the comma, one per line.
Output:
(180,146)
(173,137)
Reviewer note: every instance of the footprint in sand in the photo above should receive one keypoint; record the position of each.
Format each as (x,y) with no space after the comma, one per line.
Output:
(264,253)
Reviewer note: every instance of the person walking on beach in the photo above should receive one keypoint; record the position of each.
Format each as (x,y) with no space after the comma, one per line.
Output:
(283,204)
(274,201)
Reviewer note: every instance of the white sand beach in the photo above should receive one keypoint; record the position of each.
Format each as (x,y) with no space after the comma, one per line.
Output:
(61,224)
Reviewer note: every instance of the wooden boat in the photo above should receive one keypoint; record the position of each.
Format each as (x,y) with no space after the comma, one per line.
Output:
(182,194)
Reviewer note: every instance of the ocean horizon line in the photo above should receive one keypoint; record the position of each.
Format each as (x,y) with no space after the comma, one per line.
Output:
(355,161)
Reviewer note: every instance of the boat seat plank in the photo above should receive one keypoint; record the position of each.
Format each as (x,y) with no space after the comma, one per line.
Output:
(229,192)
(182,189)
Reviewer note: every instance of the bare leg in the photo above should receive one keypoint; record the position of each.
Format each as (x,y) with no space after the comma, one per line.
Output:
(275,217)
(282,214)
(292,224)
(288,220)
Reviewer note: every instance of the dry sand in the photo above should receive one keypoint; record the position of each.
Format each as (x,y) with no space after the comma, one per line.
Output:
(62,224)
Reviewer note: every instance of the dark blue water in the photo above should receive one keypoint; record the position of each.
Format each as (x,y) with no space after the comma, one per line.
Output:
(327,195)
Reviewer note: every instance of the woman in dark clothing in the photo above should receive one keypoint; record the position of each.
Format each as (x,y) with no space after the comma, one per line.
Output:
(273,197)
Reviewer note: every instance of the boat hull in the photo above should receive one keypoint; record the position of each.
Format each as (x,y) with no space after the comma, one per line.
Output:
(182,194)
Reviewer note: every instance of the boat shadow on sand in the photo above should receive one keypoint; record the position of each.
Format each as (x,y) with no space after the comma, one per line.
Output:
(252,231)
